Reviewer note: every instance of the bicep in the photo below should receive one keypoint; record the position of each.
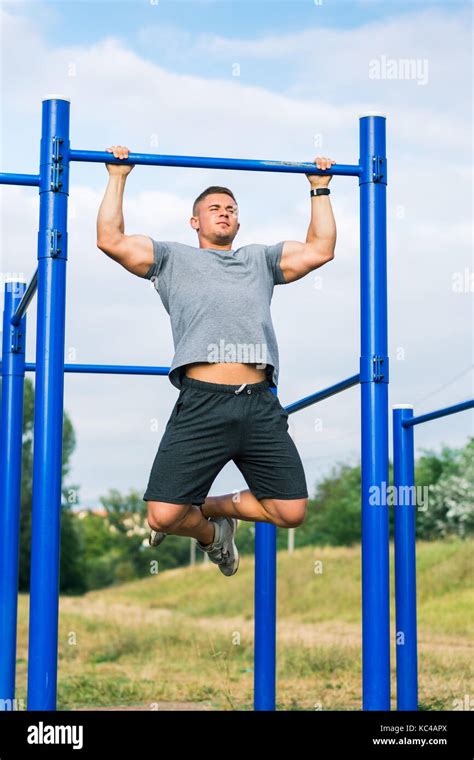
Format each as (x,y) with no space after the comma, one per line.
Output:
(133,252)
(298,259)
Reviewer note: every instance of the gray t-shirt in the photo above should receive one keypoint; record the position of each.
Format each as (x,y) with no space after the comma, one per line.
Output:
(219,303)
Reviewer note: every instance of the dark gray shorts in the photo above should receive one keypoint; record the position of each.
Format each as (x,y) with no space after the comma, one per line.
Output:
(211,425)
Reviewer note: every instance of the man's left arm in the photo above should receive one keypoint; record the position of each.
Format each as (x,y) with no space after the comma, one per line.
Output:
(298,259)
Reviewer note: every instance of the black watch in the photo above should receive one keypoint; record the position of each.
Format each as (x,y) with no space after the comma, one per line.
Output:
(319,191)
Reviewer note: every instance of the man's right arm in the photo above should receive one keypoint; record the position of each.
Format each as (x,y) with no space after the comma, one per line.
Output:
(133,252)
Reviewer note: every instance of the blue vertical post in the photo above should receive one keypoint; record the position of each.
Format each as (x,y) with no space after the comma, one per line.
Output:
(11,432)
(265,616)
(405,558)
(49,394)
(374,415)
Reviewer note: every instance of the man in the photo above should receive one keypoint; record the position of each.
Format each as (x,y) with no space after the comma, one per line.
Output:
(226,359)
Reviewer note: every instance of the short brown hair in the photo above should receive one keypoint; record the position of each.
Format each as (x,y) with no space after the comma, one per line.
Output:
(210,191)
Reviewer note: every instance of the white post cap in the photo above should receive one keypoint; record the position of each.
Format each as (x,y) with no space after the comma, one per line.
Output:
(55,97)
(402,406)
(373,113)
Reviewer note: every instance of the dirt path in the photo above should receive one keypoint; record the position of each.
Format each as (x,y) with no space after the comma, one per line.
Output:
(335,633)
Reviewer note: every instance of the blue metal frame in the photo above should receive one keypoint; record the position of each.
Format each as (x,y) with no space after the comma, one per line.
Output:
(107,369)
(50,283)
(205,162)
(405,561)
(405,546)
(26,300)
(19,179)
(49,395)
(11,428)
(374,414)
(463,406)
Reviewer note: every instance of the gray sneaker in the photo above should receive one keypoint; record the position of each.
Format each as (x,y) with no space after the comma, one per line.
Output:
(156,537)
(223,551)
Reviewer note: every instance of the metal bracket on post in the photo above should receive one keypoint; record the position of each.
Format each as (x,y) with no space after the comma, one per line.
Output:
(56,168)
(374,171)
(377,374)
(17,340)
(54,247)
(379,169)
(374,369)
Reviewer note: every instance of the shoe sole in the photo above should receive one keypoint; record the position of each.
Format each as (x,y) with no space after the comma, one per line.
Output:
(234,524)
(235,566)
(157,542)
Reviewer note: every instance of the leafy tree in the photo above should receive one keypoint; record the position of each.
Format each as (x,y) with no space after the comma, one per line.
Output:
(334,512)
(71,566)
(127,518)
(450,483)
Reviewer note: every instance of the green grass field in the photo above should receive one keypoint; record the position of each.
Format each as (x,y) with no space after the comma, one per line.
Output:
(185,637)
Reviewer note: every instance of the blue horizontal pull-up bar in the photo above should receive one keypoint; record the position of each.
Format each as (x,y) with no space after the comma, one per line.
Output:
(103,369)
(123,369)
(410,421)
(321,395)
(19,179)
(204,162)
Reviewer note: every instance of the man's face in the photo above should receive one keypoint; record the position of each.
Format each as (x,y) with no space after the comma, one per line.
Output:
(217,219)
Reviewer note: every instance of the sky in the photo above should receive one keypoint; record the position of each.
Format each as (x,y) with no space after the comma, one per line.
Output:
(270,80)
